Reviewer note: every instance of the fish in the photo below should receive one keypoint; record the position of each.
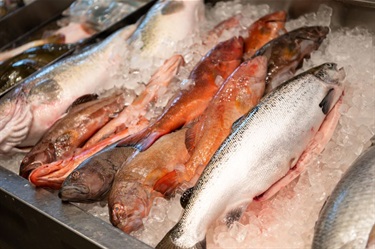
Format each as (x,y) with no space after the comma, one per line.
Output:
(72,130)
(237,95)
(165,24)
(263,146)
(347,217)
(21,66)
(286,53)
(29,110)
(188,104)
(92,180)
(131,197)
(127,122)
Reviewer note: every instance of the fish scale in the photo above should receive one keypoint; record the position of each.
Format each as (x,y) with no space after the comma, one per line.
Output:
(257,153)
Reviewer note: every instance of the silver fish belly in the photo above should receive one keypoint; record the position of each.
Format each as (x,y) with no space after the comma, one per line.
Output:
(263,146)
(348,215)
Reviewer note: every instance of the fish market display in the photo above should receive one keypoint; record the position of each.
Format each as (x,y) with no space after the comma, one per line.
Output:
(92,182)
(246,164)
(348,217)
(132,194)
(287,219)
(72,131)
(21,66)
(25,115)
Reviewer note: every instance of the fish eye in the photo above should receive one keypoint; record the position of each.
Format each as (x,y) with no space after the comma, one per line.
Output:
(75,175)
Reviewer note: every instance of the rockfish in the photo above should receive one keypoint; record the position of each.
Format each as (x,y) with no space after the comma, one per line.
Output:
(263,146)
(347,218)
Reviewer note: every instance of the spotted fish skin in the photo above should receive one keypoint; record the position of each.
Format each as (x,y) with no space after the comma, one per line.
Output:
(263,146)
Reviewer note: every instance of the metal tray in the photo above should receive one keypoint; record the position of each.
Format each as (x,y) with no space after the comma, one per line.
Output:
(36,218)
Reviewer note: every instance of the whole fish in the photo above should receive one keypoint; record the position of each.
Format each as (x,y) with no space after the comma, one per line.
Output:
(238,95)
(285,54)
(28,111)
(347,218)
(263,146)
(131,197)
(72,131)
(92,180)
(188,104)
(128,122)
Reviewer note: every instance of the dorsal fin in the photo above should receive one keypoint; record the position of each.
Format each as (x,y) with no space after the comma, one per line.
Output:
(83,99)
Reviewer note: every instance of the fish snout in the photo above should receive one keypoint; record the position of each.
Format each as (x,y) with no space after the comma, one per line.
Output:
(73,192)
(128,218)
(26,169)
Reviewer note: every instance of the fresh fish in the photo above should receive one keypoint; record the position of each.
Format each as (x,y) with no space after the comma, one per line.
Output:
(72,131)
(21,66)
(165,24)
(347,218)
(190,103)
(238,95)
(128,122)
(92,180)
(264,30)
(285,54)
(131,197)
(28,110)
(247,163)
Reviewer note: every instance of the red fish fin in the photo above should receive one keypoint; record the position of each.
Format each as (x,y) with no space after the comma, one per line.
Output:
(168,183)
(141,140)
(83,99)
(315,147)
(193,133)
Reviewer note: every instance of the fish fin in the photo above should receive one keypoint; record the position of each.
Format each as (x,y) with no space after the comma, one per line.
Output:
(167,242)
(83,99)
(141,140)
(186,197)
(327,101)
(192,135)
(168,183)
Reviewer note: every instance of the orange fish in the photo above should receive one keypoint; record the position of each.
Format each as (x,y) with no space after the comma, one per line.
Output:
(72,130)
(188,104)
(131,198)
(237,96)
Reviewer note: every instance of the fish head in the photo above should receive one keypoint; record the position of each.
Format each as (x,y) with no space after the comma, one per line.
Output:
(15,120)
(331,77)
(129,202)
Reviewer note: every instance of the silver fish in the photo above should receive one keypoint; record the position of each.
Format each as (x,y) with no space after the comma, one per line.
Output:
(348,216)
(247,163)
(29,110)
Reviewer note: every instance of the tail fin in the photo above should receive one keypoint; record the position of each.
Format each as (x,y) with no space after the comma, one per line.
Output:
(141,140)
(167,243)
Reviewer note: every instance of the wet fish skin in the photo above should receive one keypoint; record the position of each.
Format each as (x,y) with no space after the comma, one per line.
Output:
(348,216)
(285,54)
(247,163)
(188,104)
(131,196)
(92,180)
(71,131)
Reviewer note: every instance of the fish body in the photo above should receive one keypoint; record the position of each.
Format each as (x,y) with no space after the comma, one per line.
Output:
(72,131)
(131,196)
(348,216)
(92,180)
(263,146)
(167,23)
(285,54)
(188,104)
(28,110)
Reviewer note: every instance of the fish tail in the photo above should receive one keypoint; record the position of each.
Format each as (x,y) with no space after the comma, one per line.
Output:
(141,140)
(167,243)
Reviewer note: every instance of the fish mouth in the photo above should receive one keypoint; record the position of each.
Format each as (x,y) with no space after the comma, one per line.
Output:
(73,193)
(25,171)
